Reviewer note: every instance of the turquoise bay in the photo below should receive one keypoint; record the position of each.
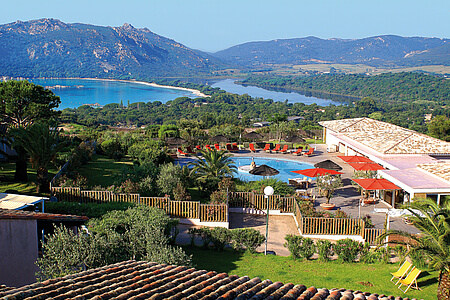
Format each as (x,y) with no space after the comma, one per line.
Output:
(78,92)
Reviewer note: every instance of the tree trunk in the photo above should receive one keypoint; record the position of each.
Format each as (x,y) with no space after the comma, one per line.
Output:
(444,286)
(42,180)
(21,165)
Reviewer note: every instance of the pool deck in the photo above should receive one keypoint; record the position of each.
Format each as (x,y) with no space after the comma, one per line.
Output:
(347,197)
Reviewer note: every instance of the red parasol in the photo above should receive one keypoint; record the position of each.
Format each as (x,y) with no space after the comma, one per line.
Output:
(366,166)
(376,184)
(316,172)
(355,159)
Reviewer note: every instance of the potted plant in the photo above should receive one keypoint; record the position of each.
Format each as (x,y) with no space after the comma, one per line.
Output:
(328,184)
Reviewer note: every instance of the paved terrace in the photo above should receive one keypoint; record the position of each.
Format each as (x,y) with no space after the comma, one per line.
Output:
(346,199)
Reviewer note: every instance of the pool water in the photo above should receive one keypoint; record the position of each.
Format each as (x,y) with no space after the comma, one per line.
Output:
(285,167)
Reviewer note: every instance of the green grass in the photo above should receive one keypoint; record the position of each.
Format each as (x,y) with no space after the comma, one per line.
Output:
(374,278)
(7,170)
(102,170)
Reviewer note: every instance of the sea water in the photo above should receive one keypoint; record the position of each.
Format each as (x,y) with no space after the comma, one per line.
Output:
(78,92)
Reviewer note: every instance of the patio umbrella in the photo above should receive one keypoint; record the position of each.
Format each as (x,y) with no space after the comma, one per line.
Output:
(219,139)
(371,184)
(264,170)
(366,166)
(316,172)
(252,136)
(295,139)
(355,159)
(328,164)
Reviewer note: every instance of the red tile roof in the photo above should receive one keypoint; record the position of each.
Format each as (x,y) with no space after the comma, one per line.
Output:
(146,280)
(21,214)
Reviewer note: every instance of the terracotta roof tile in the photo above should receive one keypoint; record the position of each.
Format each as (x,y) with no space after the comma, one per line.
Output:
(144,280)
(387,138)
(21,214)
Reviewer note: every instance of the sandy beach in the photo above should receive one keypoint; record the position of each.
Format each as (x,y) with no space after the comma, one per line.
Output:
(197,93)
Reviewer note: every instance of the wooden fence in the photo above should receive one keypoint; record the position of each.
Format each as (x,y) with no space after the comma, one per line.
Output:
(177,209)
(371,235)
(258,201)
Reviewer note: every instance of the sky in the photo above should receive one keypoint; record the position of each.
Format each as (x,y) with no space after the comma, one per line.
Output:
(211,25)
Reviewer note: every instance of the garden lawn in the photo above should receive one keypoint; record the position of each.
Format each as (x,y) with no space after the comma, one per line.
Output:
(7,170)
(374,278)
(102,170)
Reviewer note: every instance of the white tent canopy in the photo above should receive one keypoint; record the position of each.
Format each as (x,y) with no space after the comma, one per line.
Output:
(14,201)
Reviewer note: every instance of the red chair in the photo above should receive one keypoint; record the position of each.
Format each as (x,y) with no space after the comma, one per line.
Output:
(285,149)
(198,147)
(208,148)
(235,147)
(229,148)
(182,153)
(252,148)
(267,148)
(217,147)
(298,151)
(310,152)
(277,148)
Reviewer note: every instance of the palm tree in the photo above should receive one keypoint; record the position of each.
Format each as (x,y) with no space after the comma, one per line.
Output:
(212,167)
(41,143)
(433,243)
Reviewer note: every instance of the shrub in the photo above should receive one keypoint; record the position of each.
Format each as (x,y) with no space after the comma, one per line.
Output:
(220,237)
(218,197)
(180,193)
(112,148)
(299,246)
(75,181)
(138,233)
(325,249)
(168,178)
(246,239)
(347,250)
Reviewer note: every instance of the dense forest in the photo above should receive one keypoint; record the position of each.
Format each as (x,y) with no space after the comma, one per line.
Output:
(389,87)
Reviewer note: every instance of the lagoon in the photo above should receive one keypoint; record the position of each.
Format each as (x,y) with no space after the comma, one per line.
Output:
(230,86)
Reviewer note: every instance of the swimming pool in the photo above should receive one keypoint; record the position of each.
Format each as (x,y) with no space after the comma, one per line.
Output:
(283,166)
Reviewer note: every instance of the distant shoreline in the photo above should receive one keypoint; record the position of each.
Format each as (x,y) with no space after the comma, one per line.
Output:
(193,91)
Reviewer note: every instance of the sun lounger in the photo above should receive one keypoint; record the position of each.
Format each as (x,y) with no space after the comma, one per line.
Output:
(182,153)
(208,148)
(252,148)
(410,280)
(235,147)
(277,148)
(401,272)
(267,148)
(310,152)
(198,147)
(229,148)
(285,149)
(298,151)
(217,147)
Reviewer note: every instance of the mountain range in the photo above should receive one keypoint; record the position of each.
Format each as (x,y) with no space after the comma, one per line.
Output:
(379,51)
(51,48)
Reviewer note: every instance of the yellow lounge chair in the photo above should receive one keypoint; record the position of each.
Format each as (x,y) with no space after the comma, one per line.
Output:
(410,280)
(401,272)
